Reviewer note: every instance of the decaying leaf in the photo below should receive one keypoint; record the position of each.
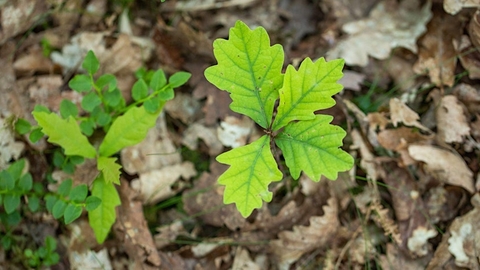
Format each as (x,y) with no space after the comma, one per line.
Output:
(234,132)
(208,135)
(399,112)
(291,245)
(368,159)
(384,30)
(9,148)
(445,165)
(437,55)
(452,123)
(464,241)
(469,56)
(454,6)
(156,185)
(243,261)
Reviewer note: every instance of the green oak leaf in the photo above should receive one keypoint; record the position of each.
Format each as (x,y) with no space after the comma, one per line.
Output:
(110,169)
(252,169)
(127,130)
(314,147)
(250,70)
(102,217)
(307,90)
(66,133)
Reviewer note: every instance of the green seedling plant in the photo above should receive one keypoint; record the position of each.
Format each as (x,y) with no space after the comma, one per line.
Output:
(251,71)
(107,126)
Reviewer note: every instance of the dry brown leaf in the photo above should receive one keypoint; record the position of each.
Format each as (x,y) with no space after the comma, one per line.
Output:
(183,107)
(168,233)
(207,198)
(401,70)
(243,261)
(469,56)
(464,242)
(234,132)
(132,230)
(385,29)
(291,245)
(474,28)
(9,148)
(352,80)
(446,166)
(443,204)
(401,113)
(454,6)
(399,139)
(197,131)
(157,185)
(452,123)
(17,16)
(396,259)
(437,55)
(367,161)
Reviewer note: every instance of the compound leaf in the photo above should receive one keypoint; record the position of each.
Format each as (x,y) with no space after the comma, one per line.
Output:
(102,217)
(127,130)
(250,70)
(66,133)
(313,146)
(252,169)
(307,90)
(110,169)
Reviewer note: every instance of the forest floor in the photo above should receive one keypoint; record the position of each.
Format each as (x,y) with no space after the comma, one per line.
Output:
(410,106)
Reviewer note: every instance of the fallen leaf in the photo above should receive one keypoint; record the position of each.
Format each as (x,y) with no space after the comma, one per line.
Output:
(132,230)
(9,148)
(367,161)
(437,55)
(401,113)
(17,16)
(452,123)
(183,107)
(90,259)
(157,185)
(291,245)
(386,28)
(464,242)
(469,56)
(446,166)
(197,131)
(454,6)
(234,132)
(352,80)
(242,261)
(168,233)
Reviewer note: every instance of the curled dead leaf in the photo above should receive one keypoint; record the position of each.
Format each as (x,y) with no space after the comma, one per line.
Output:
(399,112)
(445,165)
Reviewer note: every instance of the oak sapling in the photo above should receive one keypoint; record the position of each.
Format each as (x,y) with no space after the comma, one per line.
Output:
(251,71)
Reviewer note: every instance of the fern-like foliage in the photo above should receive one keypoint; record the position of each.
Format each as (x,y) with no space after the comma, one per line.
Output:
(250,70)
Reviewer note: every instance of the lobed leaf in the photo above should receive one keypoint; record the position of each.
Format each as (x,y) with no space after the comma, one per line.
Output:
(250,70)
(252,169)
(110,169)
(128,129)
(314,147)
(308,90)
(66,133)
(102,217)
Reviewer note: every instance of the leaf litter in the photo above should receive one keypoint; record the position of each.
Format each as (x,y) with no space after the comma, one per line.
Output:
(411,201)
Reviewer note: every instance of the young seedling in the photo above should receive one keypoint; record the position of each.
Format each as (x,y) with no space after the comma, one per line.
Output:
(251,71)
(108,114)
